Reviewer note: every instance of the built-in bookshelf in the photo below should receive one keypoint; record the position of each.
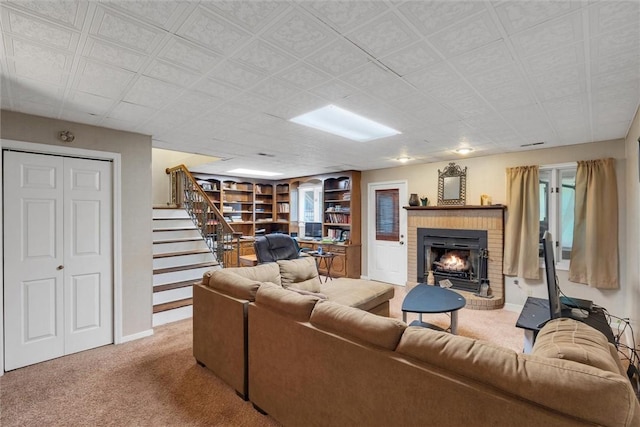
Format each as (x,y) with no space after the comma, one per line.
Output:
(250,207)
(340,199)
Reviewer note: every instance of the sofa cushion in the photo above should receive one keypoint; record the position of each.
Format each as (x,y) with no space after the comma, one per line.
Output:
(234,285)
(304,292)
(269,272)
(364,326)
(288,303)
(300,273)
(559,384)
(572,340)
(358,293)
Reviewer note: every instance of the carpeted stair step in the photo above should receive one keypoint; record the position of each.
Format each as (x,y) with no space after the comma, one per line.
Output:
(185,267)
(176,285)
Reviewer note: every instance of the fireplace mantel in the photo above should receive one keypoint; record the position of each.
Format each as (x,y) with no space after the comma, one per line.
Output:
(448,207)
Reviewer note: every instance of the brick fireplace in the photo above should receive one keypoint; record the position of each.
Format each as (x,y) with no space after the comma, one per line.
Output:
(489,219)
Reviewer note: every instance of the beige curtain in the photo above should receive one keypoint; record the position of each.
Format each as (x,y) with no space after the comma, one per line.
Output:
(523,222)
(594,256)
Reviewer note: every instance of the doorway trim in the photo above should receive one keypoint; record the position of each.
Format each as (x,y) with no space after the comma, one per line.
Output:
(60,150)
(403,186)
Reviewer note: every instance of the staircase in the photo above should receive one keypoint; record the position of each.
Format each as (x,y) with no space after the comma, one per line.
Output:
(180,257)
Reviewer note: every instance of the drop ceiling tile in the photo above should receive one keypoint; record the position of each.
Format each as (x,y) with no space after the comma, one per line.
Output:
(252,101)
(217,89)
(412,58)
(621,76)
(619,42)
(192,103)
(494,55)
(430,17)
(303,103)
(572,136)
(432,77)
(167,72)
(212,32)
(151,92)
(561,82)
(298,34)
(188,55)
(550,35)
(383,35)
(160,13)
(113,54)
(518,16)
(86,102)
(35,108)
(275,90)
(613,64)
(607,131)
(392,89)
(547,62)
(338,58)
(32,92)
(101,79)
(129,112)
(509,95)
(264,57)
(334,90)
(113,26)
(304,76)
(252,15)
(236,74)
(483,82)
(68,13)
(367,76)
(345,15)
(38,30)
(80,117)
(611,15)
(568,112)
(470,34)
(232,110)
(38,62)
(119,124)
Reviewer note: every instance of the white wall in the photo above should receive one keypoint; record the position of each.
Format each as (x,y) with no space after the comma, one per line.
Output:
(487,175)
(633,223)
(135,150)
(163,159)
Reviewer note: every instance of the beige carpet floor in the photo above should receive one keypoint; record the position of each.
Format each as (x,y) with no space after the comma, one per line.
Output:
(155,381)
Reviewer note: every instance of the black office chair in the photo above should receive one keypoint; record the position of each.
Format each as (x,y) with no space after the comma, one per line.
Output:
(274,247)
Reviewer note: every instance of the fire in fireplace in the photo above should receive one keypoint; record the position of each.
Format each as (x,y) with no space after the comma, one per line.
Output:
(457,255)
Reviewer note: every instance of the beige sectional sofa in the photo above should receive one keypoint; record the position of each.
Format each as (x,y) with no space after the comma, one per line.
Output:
(313,362)
(221,300)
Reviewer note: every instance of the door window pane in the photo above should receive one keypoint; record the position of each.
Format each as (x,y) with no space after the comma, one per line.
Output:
(567,204)
(387,215)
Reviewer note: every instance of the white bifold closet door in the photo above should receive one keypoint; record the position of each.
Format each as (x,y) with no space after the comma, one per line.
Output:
(58,284)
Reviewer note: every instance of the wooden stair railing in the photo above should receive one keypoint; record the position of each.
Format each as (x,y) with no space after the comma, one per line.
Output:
(221,238)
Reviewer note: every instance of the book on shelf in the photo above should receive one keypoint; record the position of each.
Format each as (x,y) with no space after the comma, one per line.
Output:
(283,207)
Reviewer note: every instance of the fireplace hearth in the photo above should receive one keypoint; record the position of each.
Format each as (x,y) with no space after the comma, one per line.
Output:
(459,256)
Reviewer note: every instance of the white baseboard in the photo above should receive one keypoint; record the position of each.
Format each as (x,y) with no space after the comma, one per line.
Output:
(137,336)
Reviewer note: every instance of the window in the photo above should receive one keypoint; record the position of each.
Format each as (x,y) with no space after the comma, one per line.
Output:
(309,204)
(387,207)
(557,201)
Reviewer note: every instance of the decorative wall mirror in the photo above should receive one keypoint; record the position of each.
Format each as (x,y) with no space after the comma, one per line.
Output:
(452,185)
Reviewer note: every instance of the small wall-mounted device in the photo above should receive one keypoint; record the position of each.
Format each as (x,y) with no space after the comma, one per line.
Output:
(66,136)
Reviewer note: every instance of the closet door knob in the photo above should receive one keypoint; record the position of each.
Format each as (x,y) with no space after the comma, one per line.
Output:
(60,267)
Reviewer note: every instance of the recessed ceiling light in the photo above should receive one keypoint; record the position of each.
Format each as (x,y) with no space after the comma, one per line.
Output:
(341,122)
(464,150)
(404,159)
(242,171)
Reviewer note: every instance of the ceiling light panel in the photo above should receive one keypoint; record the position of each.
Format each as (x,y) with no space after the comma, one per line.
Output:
(344,123)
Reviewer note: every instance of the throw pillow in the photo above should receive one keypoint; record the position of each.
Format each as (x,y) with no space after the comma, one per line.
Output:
(300,273)
(304,292)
